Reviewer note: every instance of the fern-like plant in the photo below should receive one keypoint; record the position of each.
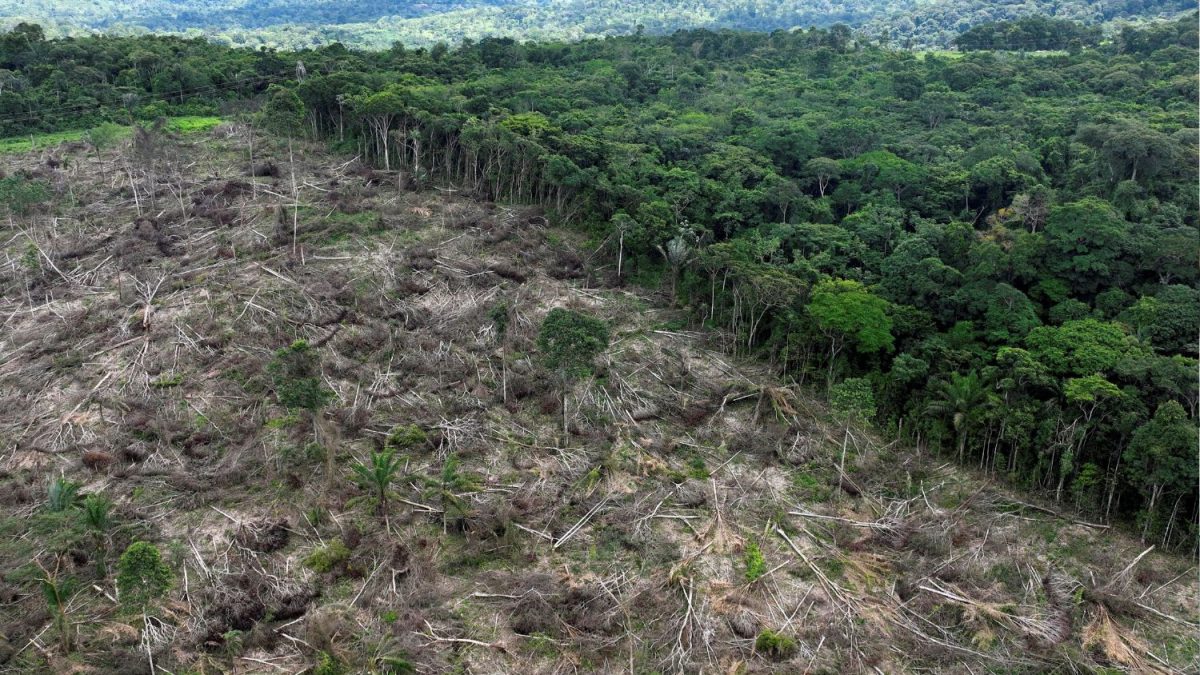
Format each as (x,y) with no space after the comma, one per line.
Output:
(756,565)
(452,485)
(61,495)
(377,475)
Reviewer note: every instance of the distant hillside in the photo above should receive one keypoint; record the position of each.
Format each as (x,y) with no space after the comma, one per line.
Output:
(379,23)
(939,21)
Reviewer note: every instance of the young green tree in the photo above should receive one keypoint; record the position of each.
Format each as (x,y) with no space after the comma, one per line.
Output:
(853,402)
(377,476)
(97,518)
(101,138)
(57,591)
(283,113)
(142,575)
(569,343)
(451,486)
(19,195)
(296,375)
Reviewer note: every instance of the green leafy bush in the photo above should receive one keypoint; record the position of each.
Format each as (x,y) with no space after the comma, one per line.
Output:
(328,664)
(326,558)
(407,437)
(296,374)
(569,342)
(775,645)
(142,575)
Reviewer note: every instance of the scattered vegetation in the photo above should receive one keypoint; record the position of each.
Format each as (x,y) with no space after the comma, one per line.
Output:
(734,401)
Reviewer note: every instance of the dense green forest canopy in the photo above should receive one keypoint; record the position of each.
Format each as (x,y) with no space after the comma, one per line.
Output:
(377,23)
(1003,246)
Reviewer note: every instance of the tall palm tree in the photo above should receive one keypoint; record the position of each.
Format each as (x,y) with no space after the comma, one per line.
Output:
(961,399)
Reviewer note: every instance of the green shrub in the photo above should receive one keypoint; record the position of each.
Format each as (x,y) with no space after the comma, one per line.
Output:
(327,557)
(328,664)
(499,316)
(296,374)
(142,575)
(396,665)
(775,645)
(407,437)
(569,341)
(21,195)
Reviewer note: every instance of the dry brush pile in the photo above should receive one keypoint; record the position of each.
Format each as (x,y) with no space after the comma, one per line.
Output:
(320,398)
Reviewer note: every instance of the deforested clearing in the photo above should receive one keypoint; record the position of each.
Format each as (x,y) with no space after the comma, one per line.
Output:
(320,399)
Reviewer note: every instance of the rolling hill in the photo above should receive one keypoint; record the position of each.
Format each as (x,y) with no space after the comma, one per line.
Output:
(377,24)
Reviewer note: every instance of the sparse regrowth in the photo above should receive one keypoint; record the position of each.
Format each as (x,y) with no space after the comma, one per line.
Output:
(569,342)
(296,374)
(698,352)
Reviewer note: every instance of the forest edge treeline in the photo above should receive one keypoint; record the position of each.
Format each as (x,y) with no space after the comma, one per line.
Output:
(989,253)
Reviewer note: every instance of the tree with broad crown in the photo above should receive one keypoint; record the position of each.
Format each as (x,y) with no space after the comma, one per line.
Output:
(283,112)
(296,375)
(846,310)
(569,342)
(1084,242)
(1081,347)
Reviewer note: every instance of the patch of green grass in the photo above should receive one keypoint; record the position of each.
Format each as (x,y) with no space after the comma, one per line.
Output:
(541,645)
(67,360)
(407,437)
(833,567)
(811,487)
(26,143)
(1008,575)
(190,124)
(16,144)
(282,422)
(168,381)
(674,325)
(756,565)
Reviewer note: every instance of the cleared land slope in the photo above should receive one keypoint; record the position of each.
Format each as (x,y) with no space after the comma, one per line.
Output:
(694,518)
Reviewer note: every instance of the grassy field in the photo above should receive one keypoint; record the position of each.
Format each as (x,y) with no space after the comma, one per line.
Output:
(190,124)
